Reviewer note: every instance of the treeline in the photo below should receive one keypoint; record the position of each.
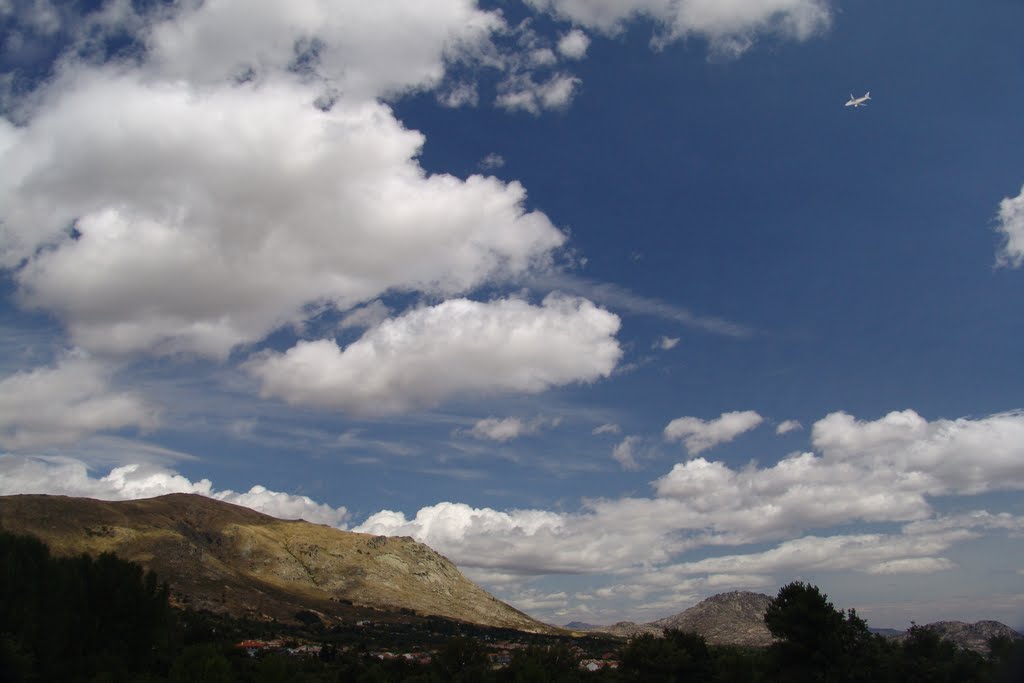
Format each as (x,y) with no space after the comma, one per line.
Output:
(105,619)
(64,619)
(816,643)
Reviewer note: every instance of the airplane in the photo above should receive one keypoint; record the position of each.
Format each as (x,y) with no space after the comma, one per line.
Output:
(859,101)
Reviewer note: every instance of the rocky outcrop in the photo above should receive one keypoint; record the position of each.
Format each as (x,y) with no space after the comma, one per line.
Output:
(974,636)
(228,558)
(735,618)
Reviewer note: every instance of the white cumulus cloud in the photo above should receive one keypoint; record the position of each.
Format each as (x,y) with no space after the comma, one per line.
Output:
(699,435)
(574,44)
(731,27)
(457,347)
(1011,227)
(705,504)
(205,219)
(62,403)
(798,492)
(528,94)
(787,426)
(871,553)
(245,171)
(962,456)
(459,530)
(691,537)
(363,49)
(531,601)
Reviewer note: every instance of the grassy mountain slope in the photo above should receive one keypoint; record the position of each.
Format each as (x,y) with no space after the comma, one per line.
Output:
(232,559)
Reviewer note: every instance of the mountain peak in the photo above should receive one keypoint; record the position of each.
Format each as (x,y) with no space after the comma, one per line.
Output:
(733,618)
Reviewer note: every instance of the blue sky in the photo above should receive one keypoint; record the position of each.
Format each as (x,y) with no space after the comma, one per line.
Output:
(615,304)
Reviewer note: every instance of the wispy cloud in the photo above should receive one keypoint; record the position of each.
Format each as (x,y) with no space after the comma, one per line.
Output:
(666,343)
(492,161)
(509,428)
(622,299)
(607,428)
(624,453)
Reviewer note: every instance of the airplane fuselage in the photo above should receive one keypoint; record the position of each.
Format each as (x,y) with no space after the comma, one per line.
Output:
(859,101)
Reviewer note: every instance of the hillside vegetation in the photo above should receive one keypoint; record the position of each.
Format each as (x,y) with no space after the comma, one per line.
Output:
(231,559)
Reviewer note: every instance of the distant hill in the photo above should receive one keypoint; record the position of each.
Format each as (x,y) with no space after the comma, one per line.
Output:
(735,618)
(579,626)
(234,560)
(627,629)
(887,632)
(970,636)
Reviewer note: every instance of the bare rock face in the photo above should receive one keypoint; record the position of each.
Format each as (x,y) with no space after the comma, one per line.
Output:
(974,636)
(232,559)
(735,618)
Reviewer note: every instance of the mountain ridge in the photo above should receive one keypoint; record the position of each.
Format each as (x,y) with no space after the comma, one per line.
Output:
(231,559)
(970,635)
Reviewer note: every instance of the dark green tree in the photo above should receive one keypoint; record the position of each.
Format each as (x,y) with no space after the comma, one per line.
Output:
(74,618)
(736,664)
(675,656)
(463,659)
(925,657)
(538,664)
(1006,657)
(204,663)
(818,643)
(16,663)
